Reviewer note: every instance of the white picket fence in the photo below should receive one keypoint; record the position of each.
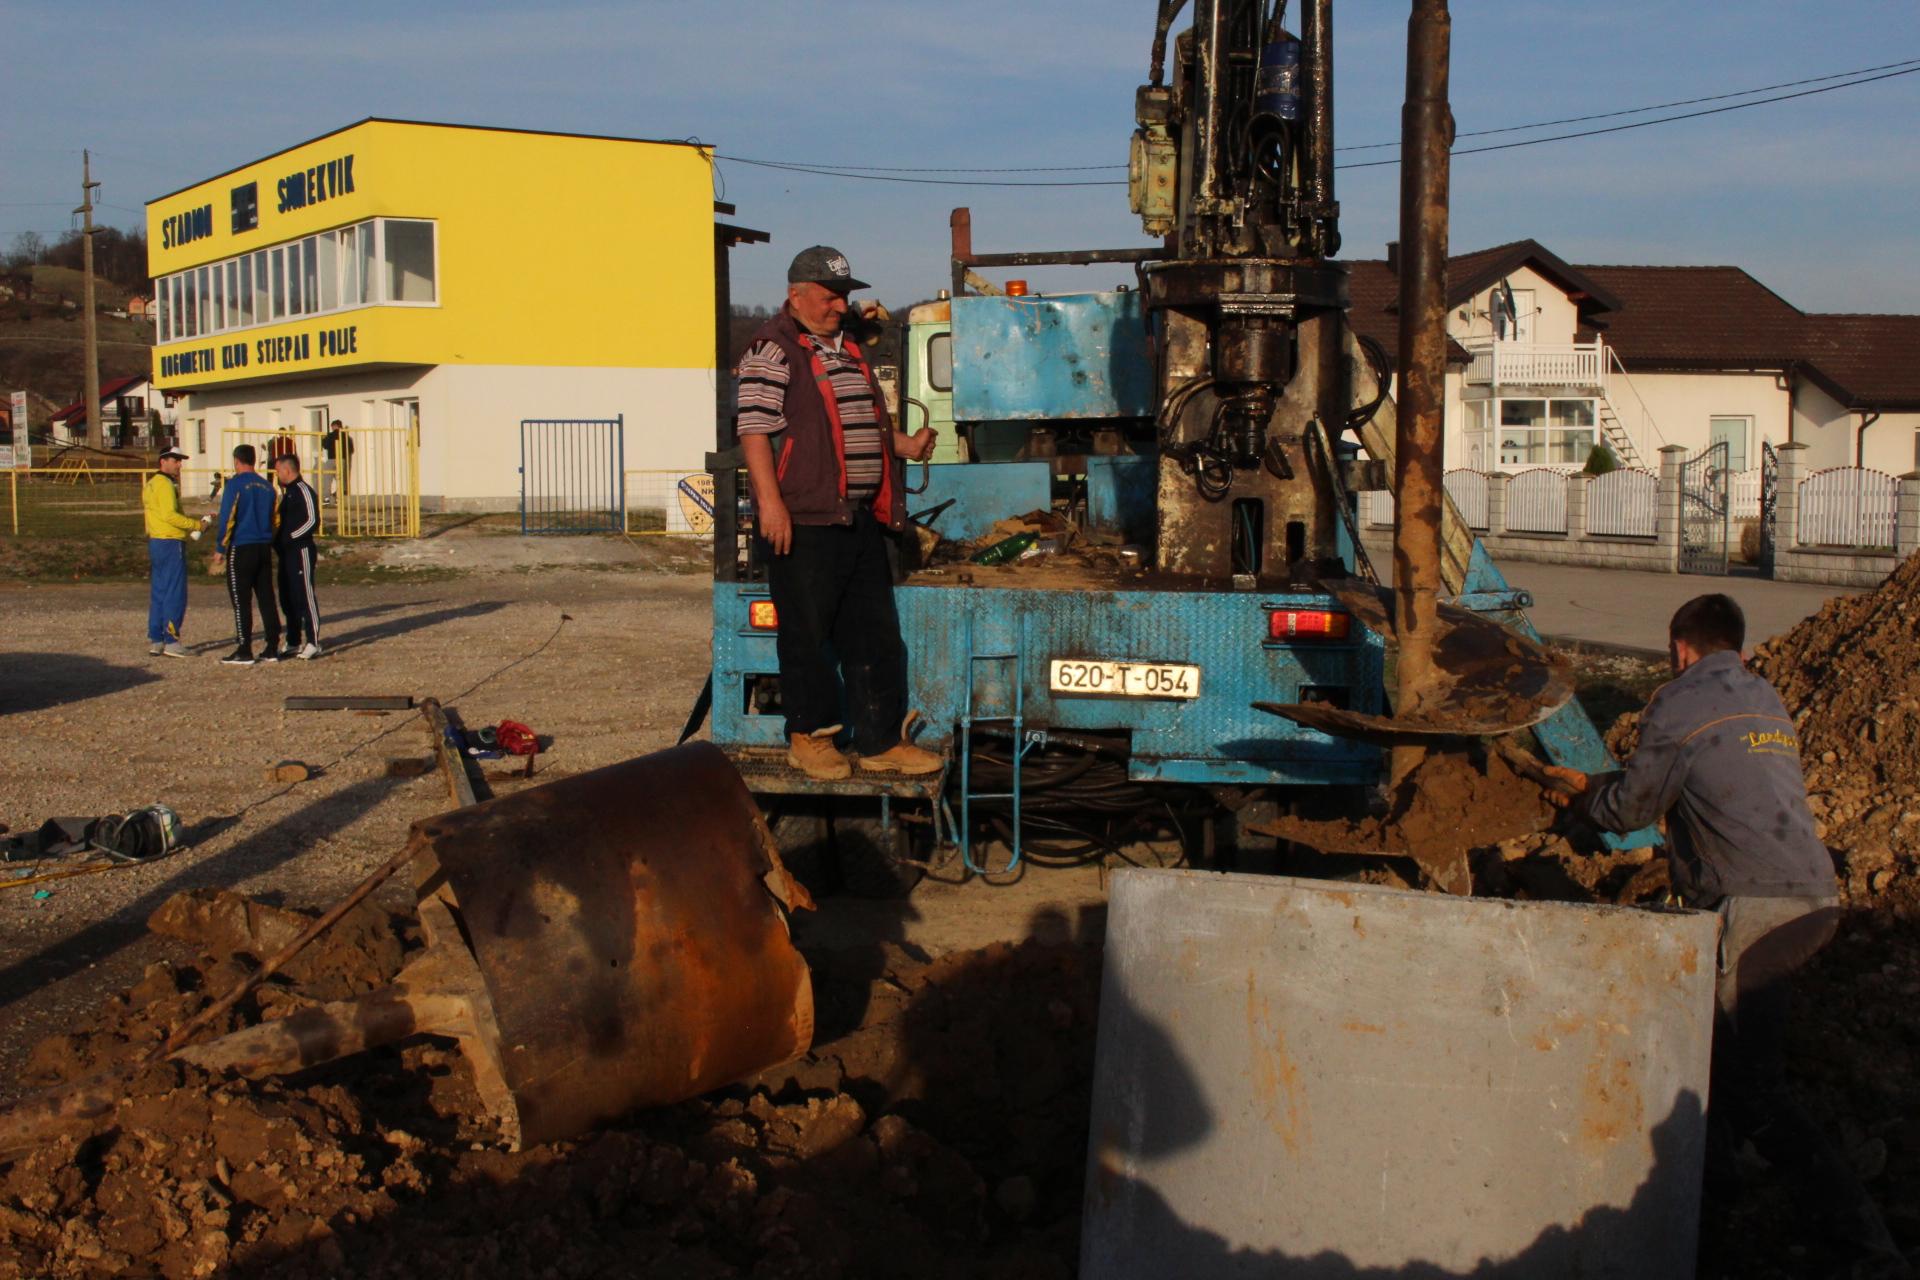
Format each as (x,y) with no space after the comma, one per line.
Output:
(1623,504)
(1848,507)
(1743,494)
(1468,489)
(1537,501)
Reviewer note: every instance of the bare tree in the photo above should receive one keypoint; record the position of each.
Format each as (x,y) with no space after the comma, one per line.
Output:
(27,248)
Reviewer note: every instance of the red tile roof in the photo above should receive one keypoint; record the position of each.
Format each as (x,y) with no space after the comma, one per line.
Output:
(76,413)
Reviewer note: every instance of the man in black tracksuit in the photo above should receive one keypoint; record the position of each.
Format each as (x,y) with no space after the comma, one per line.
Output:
(295,521)
(1720,758)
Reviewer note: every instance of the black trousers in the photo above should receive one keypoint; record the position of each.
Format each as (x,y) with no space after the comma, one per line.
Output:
(250,579)
(834,596)
(297,599)
(1763,943)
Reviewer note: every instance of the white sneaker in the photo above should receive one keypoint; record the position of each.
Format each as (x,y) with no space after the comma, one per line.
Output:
(310,651)
(175,650)
(155,650)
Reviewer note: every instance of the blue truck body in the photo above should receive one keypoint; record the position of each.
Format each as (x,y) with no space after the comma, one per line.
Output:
(981,639)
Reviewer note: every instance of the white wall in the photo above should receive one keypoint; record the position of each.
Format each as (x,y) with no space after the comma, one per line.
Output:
(1822,424)
(1555,318)
(1683,406)
(470,429)
(1893,443)
(470,419)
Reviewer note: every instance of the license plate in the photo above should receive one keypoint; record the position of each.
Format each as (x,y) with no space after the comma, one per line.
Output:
(1094,678)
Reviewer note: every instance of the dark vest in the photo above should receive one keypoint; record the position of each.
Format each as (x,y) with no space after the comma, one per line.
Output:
(808,457)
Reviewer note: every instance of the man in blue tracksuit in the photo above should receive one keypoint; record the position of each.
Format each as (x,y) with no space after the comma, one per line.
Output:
(1719,758)
(243,546)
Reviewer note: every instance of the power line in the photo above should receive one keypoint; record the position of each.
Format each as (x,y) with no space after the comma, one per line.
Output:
(882,173)
(1657,106)
(1642,124)
(933,182)
(875,168)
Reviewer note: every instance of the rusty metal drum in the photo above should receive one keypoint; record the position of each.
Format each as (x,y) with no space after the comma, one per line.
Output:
(630,928)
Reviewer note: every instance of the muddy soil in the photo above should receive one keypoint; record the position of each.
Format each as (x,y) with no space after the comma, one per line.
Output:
(937,1129)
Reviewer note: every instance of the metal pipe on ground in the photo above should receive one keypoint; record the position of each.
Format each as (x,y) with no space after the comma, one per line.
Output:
(1426,135)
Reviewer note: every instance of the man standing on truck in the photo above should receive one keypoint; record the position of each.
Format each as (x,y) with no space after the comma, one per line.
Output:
(828,478)
(1718,757)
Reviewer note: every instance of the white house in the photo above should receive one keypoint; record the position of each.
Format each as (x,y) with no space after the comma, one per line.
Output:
(1549,358)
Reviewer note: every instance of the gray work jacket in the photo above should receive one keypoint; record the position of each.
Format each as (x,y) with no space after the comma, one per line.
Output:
(1719,756)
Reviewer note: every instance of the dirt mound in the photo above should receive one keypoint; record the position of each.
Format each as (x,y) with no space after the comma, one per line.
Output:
(1850,678)
(938,1130)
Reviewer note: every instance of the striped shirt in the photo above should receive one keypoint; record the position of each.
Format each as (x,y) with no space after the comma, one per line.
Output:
(763,395)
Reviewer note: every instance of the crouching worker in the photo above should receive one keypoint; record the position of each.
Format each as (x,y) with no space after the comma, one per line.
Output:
(1719,759)
(824,505)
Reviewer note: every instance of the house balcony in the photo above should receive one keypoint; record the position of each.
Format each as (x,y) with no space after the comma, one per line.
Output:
(1502,363)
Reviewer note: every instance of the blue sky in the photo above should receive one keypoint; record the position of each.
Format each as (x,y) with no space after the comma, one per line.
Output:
(1819,197)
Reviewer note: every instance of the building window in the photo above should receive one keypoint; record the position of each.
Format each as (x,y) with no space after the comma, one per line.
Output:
(276,281)
(369,273)
(383,260)
(245,266)
(329,274)
(409,260)
(1733,433)
(1546,432)
(200,436)
(940,362)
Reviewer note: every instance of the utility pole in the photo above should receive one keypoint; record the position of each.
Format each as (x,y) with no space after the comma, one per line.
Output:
(96,428)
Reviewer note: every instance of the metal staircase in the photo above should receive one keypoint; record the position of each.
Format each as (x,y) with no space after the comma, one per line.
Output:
(1613,430)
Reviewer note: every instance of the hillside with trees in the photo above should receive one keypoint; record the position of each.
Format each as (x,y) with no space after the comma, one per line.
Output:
(42,330)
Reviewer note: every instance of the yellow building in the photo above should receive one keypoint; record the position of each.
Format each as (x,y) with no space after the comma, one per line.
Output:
(450,281)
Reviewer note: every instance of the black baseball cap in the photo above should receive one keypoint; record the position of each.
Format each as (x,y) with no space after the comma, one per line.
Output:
(825,265)
(175,453)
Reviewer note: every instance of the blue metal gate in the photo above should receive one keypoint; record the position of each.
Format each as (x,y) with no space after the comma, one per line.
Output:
(572,474)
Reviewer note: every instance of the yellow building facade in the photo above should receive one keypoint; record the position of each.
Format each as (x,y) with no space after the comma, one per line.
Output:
(447,280)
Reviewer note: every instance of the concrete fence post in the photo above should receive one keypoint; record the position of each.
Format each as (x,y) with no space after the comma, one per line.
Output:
(1667,508)
(1906,520)
(1786,497)
(1497,502)
(1577,483)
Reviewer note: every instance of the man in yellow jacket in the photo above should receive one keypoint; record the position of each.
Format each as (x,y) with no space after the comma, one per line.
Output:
(167,532)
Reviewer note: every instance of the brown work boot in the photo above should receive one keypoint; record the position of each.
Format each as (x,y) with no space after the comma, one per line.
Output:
(903,757)
(815,755)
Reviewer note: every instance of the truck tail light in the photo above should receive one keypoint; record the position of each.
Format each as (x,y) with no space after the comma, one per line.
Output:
(1307,624)
(761,616)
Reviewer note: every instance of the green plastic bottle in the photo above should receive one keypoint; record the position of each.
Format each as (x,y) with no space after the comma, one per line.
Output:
(1006,549)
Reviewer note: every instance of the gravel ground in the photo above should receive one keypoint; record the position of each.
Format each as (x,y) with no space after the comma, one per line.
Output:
(93,726)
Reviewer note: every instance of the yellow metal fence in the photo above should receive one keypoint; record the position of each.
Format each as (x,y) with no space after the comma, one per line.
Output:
(376,496)
(85,501)
(674,504)
(370,488)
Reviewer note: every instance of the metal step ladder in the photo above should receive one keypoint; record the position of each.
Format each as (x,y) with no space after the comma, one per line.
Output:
(1016,723)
